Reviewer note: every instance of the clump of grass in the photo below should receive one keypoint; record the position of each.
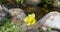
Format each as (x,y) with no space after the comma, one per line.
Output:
(9,26)
(20,1)
(47,2)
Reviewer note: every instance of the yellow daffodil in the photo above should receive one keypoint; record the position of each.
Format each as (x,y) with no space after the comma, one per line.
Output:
(30,19)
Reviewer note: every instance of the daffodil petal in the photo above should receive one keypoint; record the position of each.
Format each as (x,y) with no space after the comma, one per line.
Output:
(32,15)
(26,19)
(30,19)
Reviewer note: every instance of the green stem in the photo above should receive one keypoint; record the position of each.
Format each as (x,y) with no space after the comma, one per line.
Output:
(21,30)
(27,29)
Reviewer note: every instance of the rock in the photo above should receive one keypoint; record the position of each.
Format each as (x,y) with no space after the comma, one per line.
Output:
(24,27)
(33,30)
(2,14)
(56,3)
(30,28)
(18,14)
(15,12)
(53,31)
(33,2)
(44,28)
(51,20)
(0,7)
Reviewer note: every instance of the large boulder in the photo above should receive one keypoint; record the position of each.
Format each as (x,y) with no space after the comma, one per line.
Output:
(51,20)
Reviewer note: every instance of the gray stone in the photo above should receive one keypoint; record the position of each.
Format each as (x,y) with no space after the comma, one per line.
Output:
(53,31)
(30,29)
(33,2)
(51,20)
(33,30)
(2,14)
(0,7)
(17,12)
